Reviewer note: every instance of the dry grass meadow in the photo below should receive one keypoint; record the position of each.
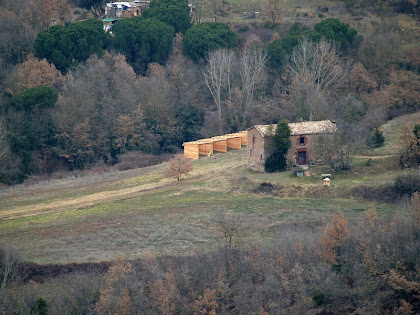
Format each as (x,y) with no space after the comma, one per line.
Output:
(135,212)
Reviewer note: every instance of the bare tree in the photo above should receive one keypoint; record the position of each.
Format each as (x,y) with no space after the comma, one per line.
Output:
(233,81)
(217,75)
(9,266)
(4,149)
(178,166)
(339,148)
(274,10)
(230,227)
(317,67)
(252,65)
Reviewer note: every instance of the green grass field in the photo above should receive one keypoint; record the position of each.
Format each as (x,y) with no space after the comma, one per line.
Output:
(95,217)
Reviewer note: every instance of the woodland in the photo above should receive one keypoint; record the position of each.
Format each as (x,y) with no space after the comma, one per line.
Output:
(75,98)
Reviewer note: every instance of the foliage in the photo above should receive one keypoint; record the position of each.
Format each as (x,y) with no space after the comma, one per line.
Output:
(34,72)
(190,120)
(377,139)
(378,253)
(36,98)
(279,49)
(201,39)
(40,307)
(407,184)
(95,6)
(299,29)
(164,293)
(143,41)
(335,30)
(114,297)
(334,235)
(274,10)
(339,147)
(280,145)
(65,46)
(30,130)
(410,138)
(178,166)
(415,207)
(173,12)
(10,267)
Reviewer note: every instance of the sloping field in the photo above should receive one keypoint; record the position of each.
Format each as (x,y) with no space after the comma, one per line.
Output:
(95,217)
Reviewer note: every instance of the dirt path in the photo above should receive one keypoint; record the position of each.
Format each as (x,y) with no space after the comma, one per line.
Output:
(375,157)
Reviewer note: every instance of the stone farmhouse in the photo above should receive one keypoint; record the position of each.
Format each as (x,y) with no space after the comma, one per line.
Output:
(304,137)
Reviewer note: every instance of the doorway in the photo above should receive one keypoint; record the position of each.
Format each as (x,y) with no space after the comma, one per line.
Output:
(301,158)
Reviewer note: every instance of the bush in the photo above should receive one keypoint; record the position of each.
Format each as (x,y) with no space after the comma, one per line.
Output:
(384,193)
(377,139)
(40,307)
(407,184)
(136,159)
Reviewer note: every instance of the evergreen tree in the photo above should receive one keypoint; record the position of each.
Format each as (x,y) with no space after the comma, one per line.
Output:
(173,12)
(200,39)
(143,41)
(280,145)
(377,139)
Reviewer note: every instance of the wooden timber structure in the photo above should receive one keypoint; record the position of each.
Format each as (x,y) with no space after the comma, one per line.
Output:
(194,149)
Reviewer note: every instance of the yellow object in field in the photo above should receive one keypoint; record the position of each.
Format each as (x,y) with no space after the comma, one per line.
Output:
(327,181)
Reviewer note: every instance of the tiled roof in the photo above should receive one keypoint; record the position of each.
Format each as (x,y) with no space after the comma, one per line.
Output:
(303,128)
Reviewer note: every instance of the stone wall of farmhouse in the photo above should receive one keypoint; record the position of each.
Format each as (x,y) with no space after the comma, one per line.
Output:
(259,148)
(310,146)
(256,151)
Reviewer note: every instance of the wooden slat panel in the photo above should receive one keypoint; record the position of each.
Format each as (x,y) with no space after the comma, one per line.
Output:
(206,149)
(234,143)
(191,151)
(220,146)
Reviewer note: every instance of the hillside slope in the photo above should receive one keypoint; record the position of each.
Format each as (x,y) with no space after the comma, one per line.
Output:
(138,211)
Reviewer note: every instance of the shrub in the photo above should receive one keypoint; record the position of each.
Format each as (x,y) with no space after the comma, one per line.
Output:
(407,184)
(377,139)
(40,307)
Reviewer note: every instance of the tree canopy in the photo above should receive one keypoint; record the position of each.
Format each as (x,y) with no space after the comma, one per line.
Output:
(173,12)
(65,46)
(89,4)
(36,97)
(200,39)
(335,30)
(143,41)
(279,48)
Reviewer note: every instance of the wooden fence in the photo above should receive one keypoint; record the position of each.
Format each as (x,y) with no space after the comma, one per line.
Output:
(194,149)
